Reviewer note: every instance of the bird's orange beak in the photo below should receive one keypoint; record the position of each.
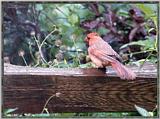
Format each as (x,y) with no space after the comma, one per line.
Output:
(86,39)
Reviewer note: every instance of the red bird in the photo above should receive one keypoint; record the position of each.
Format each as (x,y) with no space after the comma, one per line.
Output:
(102,55)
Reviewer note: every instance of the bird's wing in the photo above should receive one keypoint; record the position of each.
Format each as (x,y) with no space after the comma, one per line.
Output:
(104,50)
(100,54)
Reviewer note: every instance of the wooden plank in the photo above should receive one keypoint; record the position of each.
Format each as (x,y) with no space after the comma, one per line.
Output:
(81,90)
(101,101)
(148,70)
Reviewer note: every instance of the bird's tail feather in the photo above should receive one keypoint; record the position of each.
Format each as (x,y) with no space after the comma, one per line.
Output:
(122,71)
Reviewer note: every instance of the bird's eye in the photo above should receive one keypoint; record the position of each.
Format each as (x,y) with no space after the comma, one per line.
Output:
(96,34)
(88,37)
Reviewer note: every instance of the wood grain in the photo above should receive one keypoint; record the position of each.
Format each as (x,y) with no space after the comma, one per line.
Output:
(81,90)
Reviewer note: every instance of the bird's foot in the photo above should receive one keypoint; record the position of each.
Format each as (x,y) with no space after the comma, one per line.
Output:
(102,69)
(110,71)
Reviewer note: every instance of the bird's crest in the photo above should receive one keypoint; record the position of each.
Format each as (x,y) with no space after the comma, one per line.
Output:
(90,35)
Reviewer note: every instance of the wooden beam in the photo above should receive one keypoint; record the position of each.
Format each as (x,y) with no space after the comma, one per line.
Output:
(81,90)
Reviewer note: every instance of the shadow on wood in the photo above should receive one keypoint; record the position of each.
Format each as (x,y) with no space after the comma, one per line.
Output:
(81,90)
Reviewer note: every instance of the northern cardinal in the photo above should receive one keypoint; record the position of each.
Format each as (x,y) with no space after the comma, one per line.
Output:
(102,55)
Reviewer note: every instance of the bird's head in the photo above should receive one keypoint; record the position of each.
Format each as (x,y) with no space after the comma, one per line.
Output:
(90,37)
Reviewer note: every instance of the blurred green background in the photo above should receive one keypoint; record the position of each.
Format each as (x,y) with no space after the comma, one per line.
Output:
(51,34)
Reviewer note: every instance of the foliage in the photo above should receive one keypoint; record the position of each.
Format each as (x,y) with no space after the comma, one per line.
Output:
(8,111)
(77,115)
(51,35)
(41,21)
(149,45)
(141,111)
(144,112)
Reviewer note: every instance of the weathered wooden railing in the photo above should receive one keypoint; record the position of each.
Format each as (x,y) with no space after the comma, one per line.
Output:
(81,90)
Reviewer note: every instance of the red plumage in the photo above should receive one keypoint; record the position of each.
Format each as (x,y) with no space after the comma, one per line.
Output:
(102,54)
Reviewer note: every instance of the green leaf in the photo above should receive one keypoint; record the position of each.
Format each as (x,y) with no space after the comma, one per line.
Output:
(142,111)
(139,62)
(147,44)
(147,8)
(39,7)
(103,31)
(73,19)
(150,11)
(122,12)
(151,113)
(64,115)
(41,115)
(7,111)
(101,9)
(87,65)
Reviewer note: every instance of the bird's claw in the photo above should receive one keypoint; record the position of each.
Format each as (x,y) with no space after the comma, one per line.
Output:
(102,69)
